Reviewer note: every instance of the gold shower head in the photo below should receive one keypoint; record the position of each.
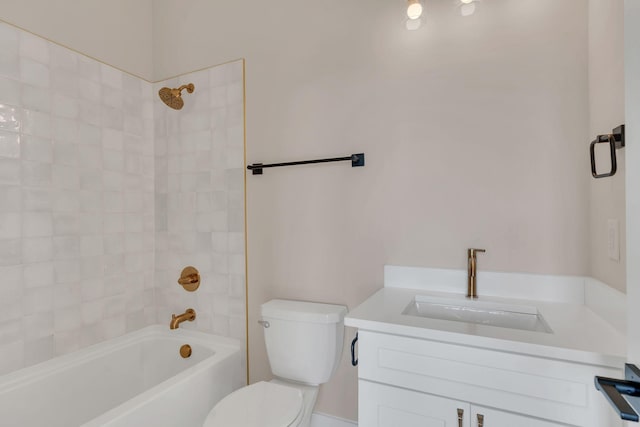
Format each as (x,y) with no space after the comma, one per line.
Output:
(173,97)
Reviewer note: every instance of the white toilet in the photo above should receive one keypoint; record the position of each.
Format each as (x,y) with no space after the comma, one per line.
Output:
(304,345)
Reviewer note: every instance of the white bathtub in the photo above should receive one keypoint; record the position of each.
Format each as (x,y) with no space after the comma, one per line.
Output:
(138,379)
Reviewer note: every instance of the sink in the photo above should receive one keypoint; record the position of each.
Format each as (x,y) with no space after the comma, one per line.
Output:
(510,316)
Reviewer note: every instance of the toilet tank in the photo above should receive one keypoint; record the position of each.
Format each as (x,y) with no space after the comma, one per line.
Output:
(303,339)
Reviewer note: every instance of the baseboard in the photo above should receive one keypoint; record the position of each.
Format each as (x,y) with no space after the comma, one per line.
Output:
(322,420)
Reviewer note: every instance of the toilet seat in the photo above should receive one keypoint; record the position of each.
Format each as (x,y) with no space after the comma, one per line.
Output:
(262,404)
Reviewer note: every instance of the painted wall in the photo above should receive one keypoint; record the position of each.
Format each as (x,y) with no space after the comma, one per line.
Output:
(606,101)
(117,32)
(474,131)
(199,201)
(632,114)
(76,201)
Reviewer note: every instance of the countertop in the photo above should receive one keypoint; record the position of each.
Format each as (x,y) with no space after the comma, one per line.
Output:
(579,335)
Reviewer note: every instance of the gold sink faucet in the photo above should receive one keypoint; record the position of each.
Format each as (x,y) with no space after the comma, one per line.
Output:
(188,315)
(472,264)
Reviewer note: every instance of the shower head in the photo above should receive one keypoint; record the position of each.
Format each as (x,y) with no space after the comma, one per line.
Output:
(173,97)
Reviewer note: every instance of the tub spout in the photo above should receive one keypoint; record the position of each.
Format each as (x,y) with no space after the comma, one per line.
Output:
(188,315)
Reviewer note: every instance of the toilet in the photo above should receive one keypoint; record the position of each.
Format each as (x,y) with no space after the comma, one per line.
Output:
(304,346)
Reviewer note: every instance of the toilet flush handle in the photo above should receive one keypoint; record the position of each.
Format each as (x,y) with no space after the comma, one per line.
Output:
(264,323)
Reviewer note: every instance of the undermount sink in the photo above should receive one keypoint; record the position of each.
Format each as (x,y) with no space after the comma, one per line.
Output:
(479,312)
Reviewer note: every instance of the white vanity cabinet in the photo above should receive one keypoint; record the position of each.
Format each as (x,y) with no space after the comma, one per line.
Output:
(410,382)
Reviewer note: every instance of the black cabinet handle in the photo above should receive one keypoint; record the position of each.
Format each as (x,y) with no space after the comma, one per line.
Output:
(354,361)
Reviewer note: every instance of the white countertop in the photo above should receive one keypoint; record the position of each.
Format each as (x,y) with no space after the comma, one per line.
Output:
(579,335)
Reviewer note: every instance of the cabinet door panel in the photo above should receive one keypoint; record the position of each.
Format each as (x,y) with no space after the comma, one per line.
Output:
(386,406)
(493,418)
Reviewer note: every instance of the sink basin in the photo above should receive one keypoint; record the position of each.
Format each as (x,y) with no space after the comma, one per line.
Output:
(521,317)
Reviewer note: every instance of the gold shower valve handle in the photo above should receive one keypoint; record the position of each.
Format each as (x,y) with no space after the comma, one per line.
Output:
(189,279)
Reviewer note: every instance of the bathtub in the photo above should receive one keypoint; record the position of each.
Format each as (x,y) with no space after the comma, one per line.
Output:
(138,379)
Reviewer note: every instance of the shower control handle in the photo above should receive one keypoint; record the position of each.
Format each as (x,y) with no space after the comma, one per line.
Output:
(264,323)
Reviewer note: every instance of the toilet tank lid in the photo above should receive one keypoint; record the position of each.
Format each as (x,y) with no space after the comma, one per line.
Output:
(303,311)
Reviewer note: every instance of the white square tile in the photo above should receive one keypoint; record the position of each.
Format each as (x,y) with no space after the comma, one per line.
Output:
(9,145)
(65,177)
(90,156)
(34,73)
(63,58)
(10,199)
(36,123)
(90,112)
(66,201)
(65,153)
(38,300)
(38,275)
(112,182)
(12,357)
(90,91)
(33,174)
(91,267)
(67,319)
(66,341)
(34,47)
(36,149)
(37,326)
(89,68)
(36,200)
(65,130)
(37,249)
(235,93)
(66,247)
(91,201)
(64,81)
(36,98)
(66,271)
(65,224)
(38,350)
(37,224)
(111,77)
(10,90)
(89,134)
(218,76)
(10,225)
(66,295)
(9,171)
(10,62)
(10,118)
(64,106)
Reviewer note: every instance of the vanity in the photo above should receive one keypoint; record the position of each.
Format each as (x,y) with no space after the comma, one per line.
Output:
(524,354)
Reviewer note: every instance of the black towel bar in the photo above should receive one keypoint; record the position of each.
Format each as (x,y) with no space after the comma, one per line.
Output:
(356,160)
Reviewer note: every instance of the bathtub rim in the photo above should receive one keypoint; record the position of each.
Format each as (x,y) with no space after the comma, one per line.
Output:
(223,347)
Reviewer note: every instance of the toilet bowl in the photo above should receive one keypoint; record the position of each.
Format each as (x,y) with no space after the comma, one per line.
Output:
(304,345)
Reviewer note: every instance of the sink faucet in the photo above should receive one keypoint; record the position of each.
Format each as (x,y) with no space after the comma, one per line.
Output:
(472,291)
(188,315)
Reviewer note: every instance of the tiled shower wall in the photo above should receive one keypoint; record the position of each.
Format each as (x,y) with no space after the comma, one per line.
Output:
(200,200)
(77,196)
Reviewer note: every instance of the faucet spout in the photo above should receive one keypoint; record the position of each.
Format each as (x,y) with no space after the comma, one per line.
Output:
(472,266)
(189,315)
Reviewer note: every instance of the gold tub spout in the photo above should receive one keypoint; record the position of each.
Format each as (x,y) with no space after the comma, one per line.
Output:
(188,315)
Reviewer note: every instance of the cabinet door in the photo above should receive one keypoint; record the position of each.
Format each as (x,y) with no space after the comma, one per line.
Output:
(387,406)
(485,417)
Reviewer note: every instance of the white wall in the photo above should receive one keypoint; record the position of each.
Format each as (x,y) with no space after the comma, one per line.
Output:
(117,32)
(475,132)
(632,114)
(606,101)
